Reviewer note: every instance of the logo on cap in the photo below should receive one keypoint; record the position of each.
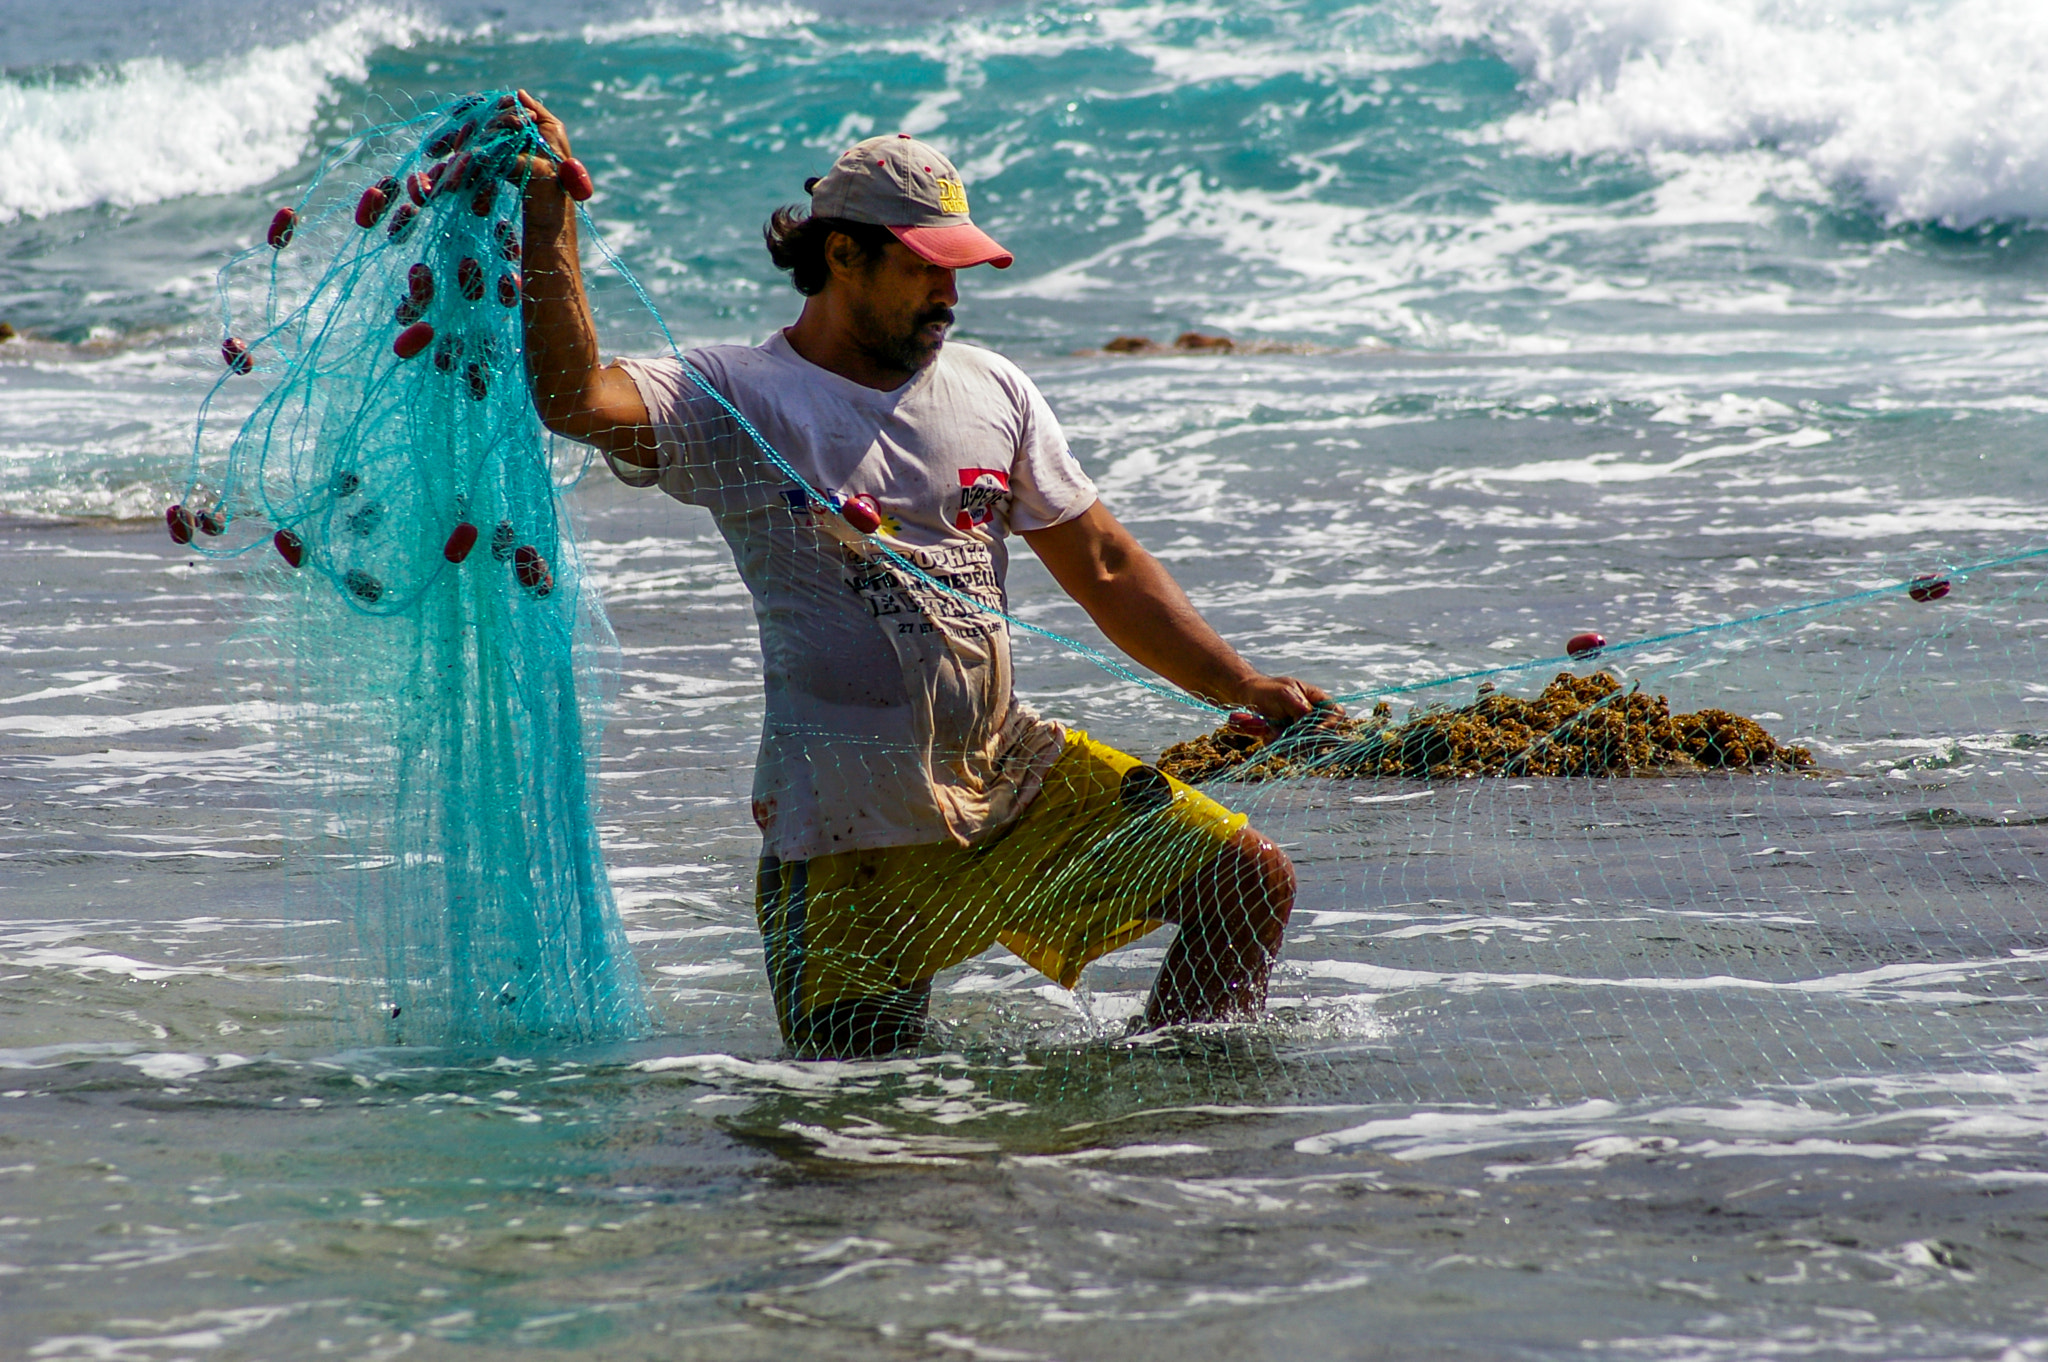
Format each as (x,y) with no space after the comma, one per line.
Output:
(952,196)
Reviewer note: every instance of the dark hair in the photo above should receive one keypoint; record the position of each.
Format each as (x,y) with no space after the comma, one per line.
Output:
(796,242)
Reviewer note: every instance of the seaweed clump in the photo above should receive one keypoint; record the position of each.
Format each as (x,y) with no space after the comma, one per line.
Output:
(1578,726)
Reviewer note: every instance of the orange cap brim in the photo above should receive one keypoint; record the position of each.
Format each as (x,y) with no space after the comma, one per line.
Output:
(956,247)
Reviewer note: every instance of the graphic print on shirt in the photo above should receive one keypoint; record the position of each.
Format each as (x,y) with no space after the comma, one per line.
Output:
(914,606)
(983,492)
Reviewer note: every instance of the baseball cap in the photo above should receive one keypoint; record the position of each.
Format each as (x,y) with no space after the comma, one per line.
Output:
(909,187)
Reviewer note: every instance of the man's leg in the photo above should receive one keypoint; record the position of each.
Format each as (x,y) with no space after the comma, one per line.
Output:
(1232,914)
(864,1028)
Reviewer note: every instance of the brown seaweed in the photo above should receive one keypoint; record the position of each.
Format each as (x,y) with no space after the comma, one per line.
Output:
(1578,726)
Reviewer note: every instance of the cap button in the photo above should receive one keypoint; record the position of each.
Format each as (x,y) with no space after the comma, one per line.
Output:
(904,135)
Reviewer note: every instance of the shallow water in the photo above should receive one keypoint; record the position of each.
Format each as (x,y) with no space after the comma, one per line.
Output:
(1672,1068)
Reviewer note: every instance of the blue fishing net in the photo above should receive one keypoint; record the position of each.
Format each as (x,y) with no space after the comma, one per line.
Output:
(440,653)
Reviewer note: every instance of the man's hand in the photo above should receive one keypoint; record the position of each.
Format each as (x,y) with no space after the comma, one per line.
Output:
(524,109)
(1280,699)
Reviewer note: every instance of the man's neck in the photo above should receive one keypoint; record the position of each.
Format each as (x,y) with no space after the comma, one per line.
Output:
(823,336)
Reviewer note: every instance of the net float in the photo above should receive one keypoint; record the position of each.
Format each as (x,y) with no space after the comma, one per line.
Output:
(281,228)
(485,199)
(478,379)
(508,288)
(459,543)
(1928,588)
(345,483)
(457,173)
(234,352)
(180,522)
(1584,645)
(508,240)
(574,178)
(210,524)
(469,278)
(447,350)
(413,339)
(370,207)
(1250,724)
(451,139)
(289,547)
(419,188)
(530,567)
(861,513)
(503,537)
(362,585)
(407,312)
(419,283)
(401,221)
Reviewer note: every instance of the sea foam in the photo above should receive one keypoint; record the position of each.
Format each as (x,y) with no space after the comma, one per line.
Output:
(148,130)
(1926,112)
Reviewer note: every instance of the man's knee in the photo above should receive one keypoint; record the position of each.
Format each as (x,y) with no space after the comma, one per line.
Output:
(1260,871)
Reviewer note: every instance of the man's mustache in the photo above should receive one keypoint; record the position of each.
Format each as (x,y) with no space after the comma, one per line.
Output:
(940,313)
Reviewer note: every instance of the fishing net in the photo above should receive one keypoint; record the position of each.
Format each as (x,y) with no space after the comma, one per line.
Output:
(1800,850)
(439,653)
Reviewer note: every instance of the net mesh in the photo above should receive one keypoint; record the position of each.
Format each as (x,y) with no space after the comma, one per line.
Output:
(1798,851)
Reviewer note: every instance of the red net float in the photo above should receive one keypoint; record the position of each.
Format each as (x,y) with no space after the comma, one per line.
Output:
(419,188)
(451,140)
(179,521)
(210,524)
(412,340)
(1584,645)
(447,349)
(234,352)
(478,378)
(469,278)
(1928,588)
(346,483)
(459,543)
(532,570)
(508,288)
(281,228)
(402,221)
(362,585)
(370,207)
(574,178)
(485,199)
(862,513)
(1250,724)
(407,312)
(457,173)
(289,547)
(419,282)
(508,240)
(503,537)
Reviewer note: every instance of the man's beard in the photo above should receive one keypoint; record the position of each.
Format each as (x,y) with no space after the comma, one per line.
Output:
(907,350)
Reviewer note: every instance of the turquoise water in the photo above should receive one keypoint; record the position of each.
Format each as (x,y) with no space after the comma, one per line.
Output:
(1551,316)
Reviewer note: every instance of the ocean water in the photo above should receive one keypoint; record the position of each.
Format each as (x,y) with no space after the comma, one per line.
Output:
(1551,315)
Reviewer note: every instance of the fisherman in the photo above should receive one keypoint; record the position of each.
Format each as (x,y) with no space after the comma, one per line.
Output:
(913,812)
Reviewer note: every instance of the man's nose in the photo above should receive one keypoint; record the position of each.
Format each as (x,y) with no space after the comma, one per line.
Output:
(946,289)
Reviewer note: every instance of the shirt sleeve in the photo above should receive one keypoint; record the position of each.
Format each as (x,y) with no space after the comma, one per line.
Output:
(691,430)
(1047,486)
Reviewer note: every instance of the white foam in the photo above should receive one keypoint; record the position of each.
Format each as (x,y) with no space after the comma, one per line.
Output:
(1927,111)
(150,129)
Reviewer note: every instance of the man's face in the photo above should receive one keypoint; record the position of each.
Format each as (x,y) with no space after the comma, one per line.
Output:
(901,306)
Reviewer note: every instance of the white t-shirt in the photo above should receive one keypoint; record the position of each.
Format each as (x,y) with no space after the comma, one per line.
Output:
(890,716)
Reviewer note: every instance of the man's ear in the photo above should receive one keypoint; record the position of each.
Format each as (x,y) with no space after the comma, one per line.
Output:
(843,255)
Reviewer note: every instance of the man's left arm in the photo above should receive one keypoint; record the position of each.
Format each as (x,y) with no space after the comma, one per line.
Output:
(1135,601)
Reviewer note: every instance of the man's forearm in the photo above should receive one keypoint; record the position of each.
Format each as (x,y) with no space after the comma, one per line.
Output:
(561,335)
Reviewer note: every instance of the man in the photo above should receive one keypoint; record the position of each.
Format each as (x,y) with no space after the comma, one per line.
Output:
(912,812)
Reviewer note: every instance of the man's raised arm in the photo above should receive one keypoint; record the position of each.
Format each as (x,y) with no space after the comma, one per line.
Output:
(575,395)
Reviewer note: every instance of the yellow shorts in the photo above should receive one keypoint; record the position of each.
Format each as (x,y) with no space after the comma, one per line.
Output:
(1106,840)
